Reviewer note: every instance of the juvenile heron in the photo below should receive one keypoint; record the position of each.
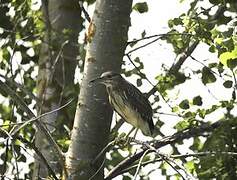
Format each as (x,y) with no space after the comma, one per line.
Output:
(128,101)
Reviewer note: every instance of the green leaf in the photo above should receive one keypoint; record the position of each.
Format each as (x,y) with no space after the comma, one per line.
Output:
(207,76)
(197,100)
(139,82)
(141,7)
(189,166)
(143,34)
(177,21)
(22,158)
(229,32)
(170,23)
(232,63)
(228,84)
(212,49)
(184,104)
(197,144)
(126,178)
(182,125)
(229,43)
(212,65)
(224,57)
(220,68)
(201,113)
(233,95)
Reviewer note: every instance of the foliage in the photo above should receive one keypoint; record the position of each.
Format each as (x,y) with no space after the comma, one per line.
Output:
(20,36)
(219,165)
(22,31)
(141,7)
(199,25)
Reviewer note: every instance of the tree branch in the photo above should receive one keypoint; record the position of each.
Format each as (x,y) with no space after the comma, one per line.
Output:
(21,87)
(179,136)
(175,68)
(87,16)
(37,151)
(5,88)
(199,154)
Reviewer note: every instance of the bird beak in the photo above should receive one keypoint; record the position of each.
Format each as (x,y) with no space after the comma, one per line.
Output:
(96,80)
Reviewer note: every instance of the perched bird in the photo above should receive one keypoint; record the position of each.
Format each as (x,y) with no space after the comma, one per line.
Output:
(128,101)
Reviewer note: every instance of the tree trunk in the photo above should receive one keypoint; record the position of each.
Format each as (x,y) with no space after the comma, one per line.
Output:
(107,37)
(57,63)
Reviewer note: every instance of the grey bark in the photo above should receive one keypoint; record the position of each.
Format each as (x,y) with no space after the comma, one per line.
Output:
(106,44)
(57,63)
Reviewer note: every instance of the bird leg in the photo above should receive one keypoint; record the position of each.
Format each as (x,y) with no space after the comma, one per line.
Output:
(128,139)
(130,132)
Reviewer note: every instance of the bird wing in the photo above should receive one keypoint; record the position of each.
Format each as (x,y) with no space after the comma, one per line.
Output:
(140,103)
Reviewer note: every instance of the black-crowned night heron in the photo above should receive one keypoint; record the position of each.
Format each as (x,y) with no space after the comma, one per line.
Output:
(128,101)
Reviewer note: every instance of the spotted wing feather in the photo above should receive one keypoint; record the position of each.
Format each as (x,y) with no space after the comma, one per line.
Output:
(140,103)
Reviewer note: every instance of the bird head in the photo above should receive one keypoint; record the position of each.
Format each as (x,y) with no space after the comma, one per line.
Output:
(108,78)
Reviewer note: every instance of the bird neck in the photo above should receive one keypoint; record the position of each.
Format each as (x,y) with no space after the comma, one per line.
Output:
(116,87)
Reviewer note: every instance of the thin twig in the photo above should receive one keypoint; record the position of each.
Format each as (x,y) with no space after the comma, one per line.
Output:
(32,146)
(20,86)
(157,35)
(171,165)
(38,117)
(87,16)
(142,46)
(102,151)
(168,114)
(142,74)
(15,157)
(53,67)
(164,157)
(6,157)
(4,87)
(193,58)
(139,164)
(235,80)
(154,88)
(199,154)
(98,170)
(194,132)
(37,151)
